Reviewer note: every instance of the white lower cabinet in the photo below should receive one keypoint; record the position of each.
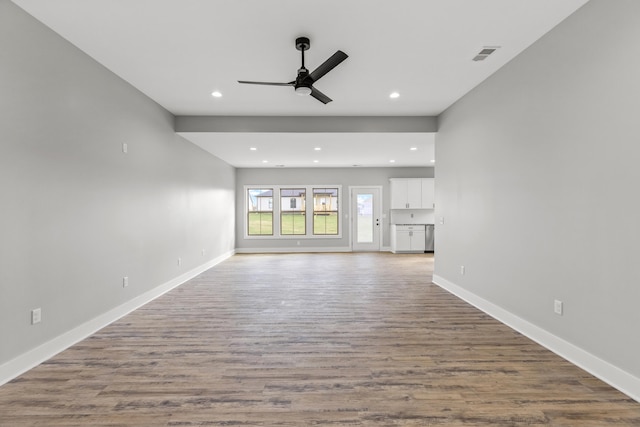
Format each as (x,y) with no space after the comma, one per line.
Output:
(407,238)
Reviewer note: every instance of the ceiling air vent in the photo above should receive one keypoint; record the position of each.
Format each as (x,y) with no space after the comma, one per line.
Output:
(485,52)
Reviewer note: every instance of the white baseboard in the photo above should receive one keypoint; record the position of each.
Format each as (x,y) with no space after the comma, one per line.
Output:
(300,250)
(612,375)
(36,356)
(291,250)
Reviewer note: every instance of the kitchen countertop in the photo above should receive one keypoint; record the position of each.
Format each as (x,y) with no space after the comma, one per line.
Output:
(415,224)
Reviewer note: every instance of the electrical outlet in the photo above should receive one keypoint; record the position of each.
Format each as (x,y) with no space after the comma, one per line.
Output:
(462,270)
(557,307)
(125,147)
(125,281)
(179,262)
(36,315)
(203,252)
(441,220)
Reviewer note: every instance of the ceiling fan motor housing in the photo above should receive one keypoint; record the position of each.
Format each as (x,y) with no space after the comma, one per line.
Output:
(303,82)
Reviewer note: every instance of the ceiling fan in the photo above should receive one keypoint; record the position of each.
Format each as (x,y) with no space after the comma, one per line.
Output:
(303,84)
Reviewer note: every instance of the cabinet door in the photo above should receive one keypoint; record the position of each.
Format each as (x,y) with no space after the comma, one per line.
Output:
(403,240)
(399,194)
(394,238)
(418,241)
(414,193)
(428,193)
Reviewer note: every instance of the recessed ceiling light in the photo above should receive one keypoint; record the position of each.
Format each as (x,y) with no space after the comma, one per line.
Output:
(394,95)
(316,161)
(252,148)
(265,161)
(413,148)
(216,94)
(318,148)
(392,161)
(433,160)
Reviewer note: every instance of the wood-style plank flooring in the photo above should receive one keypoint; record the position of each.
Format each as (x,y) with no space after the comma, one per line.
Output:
(359,339)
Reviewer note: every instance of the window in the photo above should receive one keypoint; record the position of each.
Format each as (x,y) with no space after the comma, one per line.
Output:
(293,219)
(325,211)
(260,211)
(282,211)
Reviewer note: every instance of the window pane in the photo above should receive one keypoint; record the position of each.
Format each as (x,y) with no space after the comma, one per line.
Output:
(325,211)
(260,211)
(325,223)
(292,211)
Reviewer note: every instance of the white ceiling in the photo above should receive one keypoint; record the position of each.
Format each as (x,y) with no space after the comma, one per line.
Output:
(178,51)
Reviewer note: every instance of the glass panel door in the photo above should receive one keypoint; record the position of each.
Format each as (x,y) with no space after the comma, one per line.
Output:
(366,218)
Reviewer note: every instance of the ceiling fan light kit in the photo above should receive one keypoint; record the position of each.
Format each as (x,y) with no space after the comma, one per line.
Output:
(303,84)
(303,90)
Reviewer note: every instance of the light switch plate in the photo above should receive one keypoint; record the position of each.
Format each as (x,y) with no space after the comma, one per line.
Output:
(557,307)
(36,316)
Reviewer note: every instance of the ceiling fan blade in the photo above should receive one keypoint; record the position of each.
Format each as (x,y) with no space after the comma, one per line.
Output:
(328,65)
(320,96)
(266,83)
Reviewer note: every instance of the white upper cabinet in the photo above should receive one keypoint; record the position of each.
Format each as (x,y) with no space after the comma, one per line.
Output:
(412,193)
(414,196)
(399,194)
(428,193)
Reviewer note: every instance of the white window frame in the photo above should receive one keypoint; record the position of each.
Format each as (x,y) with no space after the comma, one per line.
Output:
(246,212)
(277,211)
(284,201)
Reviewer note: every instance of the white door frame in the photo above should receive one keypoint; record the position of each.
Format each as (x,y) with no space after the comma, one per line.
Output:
(353,217)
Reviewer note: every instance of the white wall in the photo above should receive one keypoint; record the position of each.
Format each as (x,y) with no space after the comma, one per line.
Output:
(537,180)
(77,214)
(321,176)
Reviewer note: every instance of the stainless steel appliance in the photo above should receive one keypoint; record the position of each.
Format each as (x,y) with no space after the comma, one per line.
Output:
(428,235)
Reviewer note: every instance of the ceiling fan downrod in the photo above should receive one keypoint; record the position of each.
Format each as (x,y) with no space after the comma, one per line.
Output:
(302,87)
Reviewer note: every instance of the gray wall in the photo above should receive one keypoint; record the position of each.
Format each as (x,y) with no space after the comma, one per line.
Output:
(77,214)
(339,176)
(537,180)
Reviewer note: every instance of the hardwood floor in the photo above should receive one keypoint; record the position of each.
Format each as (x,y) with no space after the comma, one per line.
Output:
(359,339)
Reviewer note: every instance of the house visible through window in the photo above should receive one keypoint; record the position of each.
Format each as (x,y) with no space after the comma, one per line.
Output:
(260,211)
(325,211)
(293,217)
